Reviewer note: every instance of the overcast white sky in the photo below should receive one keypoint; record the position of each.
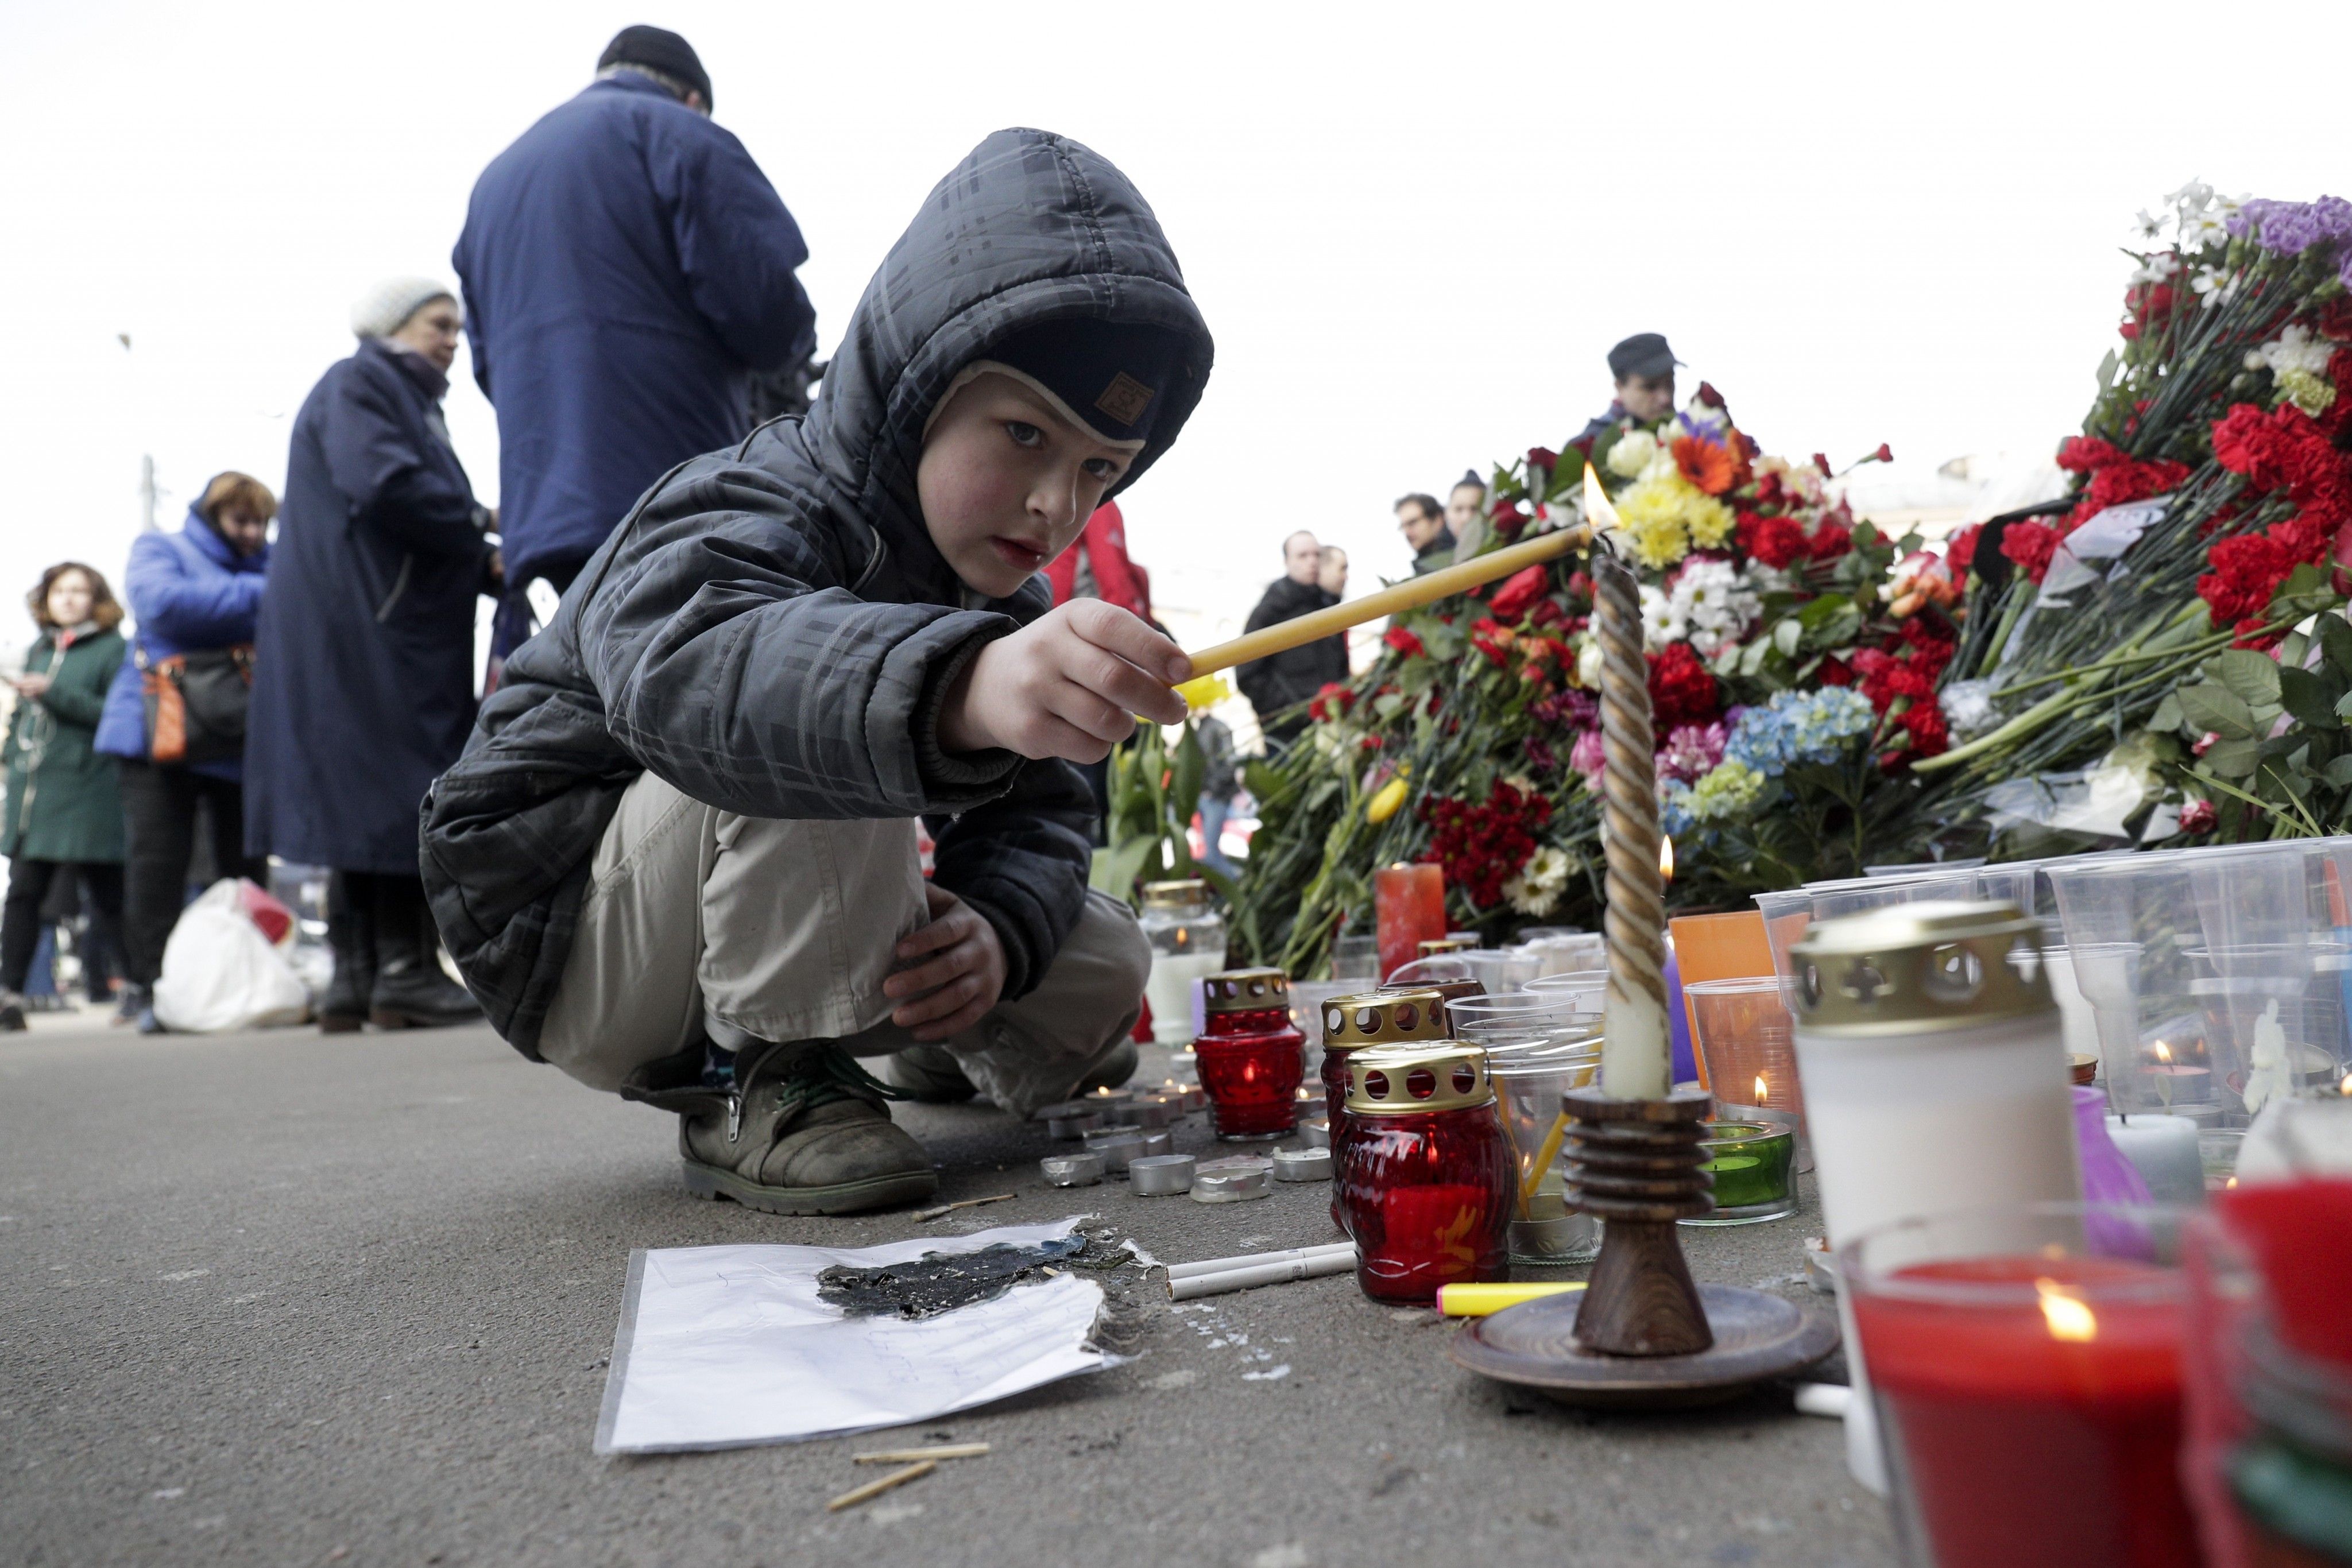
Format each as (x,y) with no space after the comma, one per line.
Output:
(1415,230)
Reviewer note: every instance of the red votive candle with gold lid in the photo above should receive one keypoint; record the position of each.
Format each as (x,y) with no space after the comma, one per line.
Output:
(1250,1057)
(1423,1172)
(1351,1023)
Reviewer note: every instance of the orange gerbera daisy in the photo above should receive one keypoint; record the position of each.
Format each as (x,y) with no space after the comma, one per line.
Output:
(1709,466)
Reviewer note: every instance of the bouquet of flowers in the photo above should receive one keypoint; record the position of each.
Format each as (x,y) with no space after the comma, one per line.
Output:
(2212,504)
(1793,665)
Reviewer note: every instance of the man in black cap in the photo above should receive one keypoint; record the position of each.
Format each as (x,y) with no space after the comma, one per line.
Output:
(1644,368)
(628,269)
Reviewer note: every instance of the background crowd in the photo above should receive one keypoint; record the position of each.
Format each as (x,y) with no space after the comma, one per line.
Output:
(298,672)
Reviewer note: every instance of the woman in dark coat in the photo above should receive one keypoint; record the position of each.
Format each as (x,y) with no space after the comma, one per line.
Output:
(62,811)
(363,686)
(193,591)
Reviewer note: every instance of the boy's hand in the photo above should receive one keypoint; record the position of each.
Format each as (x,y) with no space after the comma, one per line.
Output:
(1067,684)
(954,973)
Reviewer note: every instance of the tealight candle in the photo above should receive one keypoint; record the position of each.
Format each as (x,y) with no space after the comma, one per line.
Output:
(1754,1168)
(2164,1150)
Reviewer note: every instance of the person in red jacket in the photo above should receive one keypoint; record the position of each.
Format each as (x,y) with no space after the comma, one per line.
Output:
(1097,567)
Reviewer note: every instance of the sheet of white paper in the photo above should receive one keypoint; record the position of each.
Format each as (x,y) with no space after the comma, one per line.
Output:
(723,1347)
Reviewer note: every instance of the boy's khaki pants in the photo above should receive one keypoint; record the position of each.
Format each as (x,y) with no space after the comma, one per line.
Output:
(698,920)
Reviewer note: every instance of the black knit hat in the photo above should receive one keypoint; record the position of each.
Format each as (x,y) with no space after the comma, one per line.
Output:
(658,48)
(1111,376)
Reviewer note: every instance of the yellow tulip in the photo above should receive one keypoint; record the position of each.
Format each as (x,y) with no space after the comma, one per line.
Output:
(1385,800)
(1206,692)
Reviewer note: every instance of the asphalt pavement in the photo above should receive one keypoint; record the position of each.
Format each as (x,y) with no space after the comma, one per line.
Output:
(276,1298)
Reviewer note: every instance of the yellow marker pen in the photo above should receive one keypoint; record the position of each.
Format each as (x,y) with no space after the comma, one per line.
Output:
(1477,1301)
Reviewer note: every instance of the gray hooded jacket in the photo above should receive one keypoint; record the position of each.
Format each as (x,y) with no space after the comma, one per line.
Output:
(771,628)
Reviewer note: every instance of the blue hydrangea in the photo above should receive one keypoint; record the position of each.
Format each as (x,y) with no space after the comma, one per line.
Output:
(1799,727)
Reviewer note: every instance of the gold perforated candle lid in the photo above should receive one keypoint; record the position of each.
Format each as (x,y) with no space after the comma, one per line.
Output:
(1246,990)
(1916,969)
(1425,1076)
(1430,947)
(1175,894)
(1383,1018)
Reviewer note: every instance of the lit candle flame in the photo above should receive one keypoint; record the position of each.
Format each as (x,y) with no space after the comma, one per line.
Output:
(2068,1318)
(2164,1054)
(1666,858)
(1763,1090)
(2344,1087)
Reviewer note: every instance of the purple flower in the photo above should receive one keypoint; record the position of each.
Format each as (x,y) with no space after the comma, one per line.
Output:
(1539,756)
(1692,751)
(2290,229)
(1588,757)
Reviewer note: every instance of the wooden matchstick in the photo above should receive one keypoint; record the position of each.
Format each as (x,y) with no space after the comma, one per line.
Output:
(876,1487)
(940,1451)
(1410,594)
(960,1203)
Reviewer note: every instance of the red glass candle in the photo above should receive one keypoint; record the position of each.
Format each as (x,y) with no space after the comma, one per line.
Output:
(1423,1172)
(1351,1023)
(1250,1057)
(2032,1405)
(1408,909)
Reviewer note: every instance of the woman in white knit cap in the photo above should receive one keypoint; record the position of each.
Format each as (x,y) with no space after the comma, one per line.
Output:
(363,687)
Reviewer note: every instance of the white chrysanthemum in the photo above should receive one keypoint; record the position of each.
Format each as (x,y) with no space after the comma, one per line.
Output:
(1712,602)
(1662,622)
(1588,664)
(1631,454)
(1540,882)
(2294,350)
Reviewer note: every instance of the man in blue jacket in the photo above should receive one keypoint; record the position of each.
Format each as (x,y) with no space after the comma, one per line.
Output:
(626,270)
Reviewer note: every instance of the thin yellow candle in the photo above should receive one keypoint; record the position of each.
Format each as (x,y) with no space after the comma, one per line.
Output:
(1410,594)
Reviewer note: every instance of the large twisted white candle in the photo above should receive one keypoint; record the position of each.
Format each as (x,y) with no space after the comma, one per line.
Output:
(1635,1061)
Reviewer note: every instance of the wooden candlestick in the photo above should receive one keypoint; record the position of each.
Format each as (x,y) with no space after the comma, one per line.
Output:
(1636,1164)
(1633,1155)
(1410,594)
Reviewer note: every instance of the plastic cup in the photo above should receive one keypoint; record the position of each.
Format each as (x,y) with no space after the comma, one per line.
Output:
(1502,970)
(2200,966)
(1719,947)
(2026,1365)
(1530,1068)
(1747,1042)
(1356,958)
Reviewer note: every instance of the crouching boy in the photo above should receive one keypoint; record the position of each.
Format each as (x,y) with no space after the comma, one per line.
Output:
(679,857)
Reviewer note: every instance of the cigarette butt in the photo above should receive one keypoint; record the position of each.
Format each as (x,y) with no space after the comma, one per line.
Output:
(1830,1399)
(906,1456)
(1253,1259)
(959,1203)
(1478,1300)
(881,1484)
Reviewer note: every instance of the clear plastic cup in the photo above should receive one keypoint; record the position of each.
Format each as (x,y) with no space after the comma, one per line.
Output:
(1531,1066)
(1503,970)
(2200,967)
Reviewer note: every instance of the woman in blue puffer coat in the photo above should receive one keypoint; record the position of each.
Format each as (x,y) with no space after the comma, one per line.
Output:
(192,591)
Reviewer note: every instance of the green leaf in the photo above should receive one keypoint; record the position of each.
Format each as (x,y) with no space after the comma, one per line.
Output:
(1114,869)
(1787,635)
(2339,772)
(2307,589)
(2309,697)
(2166,717)
(2336,642)
(2107,368)
(2250,675)
(2218,709)
(2233,758)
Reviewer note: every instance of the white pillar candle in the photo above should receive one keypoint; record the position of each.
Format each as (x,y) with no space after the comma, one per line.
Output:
(2163,1149)
(1171,986)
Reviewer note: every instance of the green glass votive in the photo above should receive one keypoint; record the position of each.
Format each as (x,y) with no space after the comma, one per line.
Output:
(1754,1164)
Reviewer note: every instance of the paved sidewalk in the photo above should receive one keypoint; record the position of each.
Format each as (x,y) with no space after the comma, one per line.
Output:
(280,1299)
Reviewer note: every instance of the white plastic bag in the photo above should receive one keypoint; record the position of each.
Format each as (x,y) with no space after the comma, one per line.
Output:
(221,973)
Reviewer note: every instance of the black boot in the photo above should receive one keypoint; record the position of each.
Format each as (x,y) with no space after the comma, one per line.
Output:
(351,935)
(410,990)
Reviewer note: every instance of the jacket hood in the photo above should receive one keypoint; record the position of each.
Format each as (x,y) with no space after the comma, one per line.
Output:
(1029,227)
(204,537)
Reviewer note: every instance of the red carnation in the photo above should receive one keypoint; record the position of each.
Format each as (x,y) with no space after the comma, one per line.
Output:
(2031,545)
(1775,541)
(1822,462)
(1542,457)
(1707,397)
(2247,569)
(1960,551)
(1830,541)
(1519,592)
(1884,454)
(1681,690)
(1546,613)
(1404,641)
(2198,816)
(1331,702)
(2082,454)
